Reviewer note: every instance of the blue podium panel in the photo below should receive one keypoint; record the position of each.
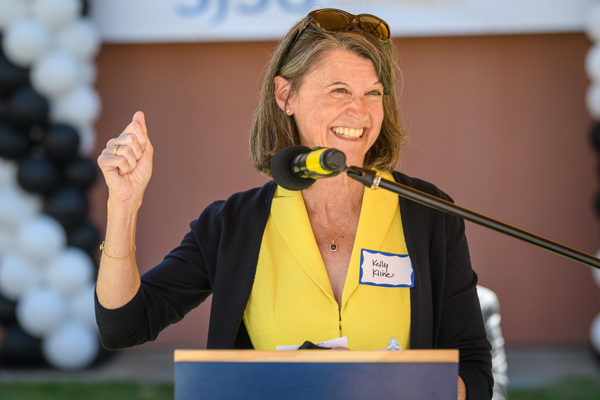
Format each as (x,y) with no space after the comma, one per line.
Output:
(278,381)
(291,379)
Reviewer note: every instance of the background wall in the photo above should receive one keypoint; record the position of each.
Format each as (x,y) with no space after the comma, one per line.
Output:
(498,122)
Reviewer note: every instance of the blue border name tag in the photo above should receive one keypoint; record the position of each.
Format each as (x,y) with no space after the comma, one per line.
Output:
(385,269)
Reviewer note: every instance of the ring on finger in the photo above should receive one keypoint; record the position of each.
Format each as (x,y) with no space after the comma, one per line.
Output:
(115,148)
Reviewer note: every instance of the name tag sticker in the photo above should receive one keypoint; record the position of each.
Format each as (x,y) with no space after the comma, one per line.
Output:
(385,269)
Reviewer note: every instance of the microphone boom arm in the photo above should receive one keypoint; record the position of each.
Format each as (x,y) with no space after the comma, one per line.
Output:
(371,179)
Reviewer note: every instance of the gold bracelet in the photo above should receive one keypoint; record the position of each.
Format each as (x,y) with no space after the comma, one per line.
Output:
(116,259)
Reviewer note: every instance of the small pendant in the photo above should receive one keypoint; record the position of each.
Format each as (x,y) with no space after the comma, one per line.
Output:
(333,247)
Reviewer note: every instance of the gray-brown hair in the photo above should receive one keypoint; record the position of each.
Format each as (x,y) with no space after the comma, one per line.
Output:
(272,129)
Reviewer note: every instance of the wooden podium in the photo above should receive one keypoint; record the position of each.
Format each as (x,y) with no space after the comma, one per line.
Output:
(316,374)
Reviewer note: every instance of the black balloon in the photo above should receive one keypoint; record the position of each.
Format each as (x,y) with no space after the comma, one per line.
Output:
(86,237)
(7,311)
(3,109)
(13,144)
(61,143)
(68,206)
(11,76)
(81,173)
(595,135)
(18,348)
(27,108)
(37,175)
(85,8)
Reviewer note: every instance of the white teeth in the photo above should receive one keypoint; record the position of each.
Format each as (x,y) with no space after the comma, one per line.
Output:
(350,133)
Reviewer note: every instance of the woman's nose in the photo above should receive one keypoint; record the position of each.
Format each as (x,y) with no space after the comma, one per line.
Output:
(358,108)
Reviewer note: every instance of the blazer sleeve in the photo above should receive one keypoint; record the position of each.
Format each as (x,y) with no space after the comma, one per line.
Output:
(462,322)
(167,292)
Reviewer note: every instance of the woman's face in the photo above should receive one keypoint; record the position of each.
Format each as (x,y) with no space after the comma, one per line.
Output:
(340,105)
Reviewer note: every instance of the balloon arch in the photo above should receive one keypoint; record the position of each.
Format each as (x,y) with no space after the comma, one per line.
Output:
(592,67)
(47,244)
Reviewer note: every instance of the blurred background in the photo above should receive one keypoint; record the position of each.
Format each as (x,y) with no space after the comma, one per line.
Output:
(499,100)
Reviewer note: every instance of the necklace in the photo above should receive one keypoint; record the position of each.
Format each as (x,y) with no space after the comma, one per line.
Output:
(333,246)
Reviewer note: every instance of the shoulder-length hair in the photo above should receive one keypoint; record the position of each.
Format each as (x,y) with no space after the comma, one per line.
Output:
(272,129)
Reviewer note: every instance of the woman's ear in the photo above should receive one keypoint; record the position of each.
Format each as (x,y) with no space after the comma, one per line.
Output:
(282,91)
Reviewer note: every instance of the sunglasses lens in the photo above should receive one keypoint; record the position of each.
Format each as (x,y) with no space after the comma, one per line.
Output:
(375,26)
(333,20)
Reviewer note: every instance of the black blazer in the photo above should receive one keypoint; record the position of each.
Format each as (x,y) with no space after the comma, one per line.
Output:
(219,257)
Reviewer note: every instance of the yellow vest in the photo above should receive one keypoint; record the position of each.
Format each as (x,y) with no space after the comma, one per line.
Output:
(292,300)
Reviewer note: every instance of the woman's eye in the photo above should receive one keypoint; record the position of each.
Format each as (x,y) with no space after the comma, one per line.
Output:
(375,92)
(340,90)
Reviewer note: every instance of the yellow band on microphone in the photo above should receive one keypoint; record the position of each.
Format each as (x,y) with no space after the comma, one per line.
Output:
(313,162)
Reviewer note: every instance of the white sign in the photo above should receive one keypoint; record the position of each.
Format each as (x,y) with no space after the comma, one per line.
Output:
(385,269)
(237,20)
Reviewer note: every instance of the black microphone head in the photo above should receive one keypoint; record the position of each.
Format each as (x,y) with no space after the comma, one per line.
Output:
(282,172)
(334,160)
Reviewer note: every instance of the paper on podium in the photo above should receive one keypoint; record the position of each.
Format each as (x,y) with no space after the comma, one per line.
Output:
(337,342)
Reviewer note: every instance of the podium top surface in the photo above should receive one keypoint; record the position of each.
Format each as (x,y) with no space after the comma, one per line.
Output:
(318,356)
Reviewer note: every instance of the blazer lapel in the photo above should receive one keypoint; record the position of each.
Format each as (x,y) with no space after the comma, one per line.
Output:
(416,221)
(376,216)
(291,219)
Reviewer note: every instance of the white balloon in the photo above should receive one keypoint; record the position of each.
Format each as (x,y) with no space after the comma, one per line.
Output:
(40,311)
(81,307)
(41,238)
(592,100)
(71,346)
(592,22)
(56,13)
(592,63)
(17,206)
(70,271)
(79,108)
(87,141)
(595,333)
(7,242)
(81,39)
(17,276)
(12,10)
(56,74)
(25,41)
(8,172)
(89,73)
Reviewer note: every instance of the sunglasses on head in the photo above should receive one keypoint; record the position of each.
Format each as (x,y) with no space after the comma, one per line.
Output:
(334,20)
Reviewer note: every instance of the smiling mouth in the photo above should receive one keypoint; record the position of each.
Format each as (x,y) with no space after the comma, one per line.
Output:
(349,133)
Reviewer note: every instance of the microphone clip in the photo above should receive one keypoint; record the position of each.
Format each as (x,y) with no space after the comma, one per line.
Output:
(367,177)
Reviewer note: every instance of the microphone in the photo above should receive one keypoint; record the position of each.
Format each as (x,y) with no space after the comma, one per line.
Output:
(297,167)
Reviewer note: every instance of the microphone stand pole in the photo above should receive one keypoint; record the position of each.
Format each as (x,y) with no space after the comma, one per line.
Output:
(371,179)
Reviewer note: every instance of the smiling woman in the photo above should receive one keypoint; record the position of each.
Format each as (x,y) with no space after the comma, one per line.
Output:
(287,267)
(312,48)
(339,105)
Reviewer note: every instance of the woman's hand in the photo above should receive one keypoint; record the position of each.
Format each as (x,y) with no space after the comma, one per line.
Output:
(126,163)
(462,390)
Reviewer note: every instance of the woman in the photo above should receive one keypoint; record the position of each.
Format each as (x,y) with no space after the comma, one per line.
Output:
(285,267)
